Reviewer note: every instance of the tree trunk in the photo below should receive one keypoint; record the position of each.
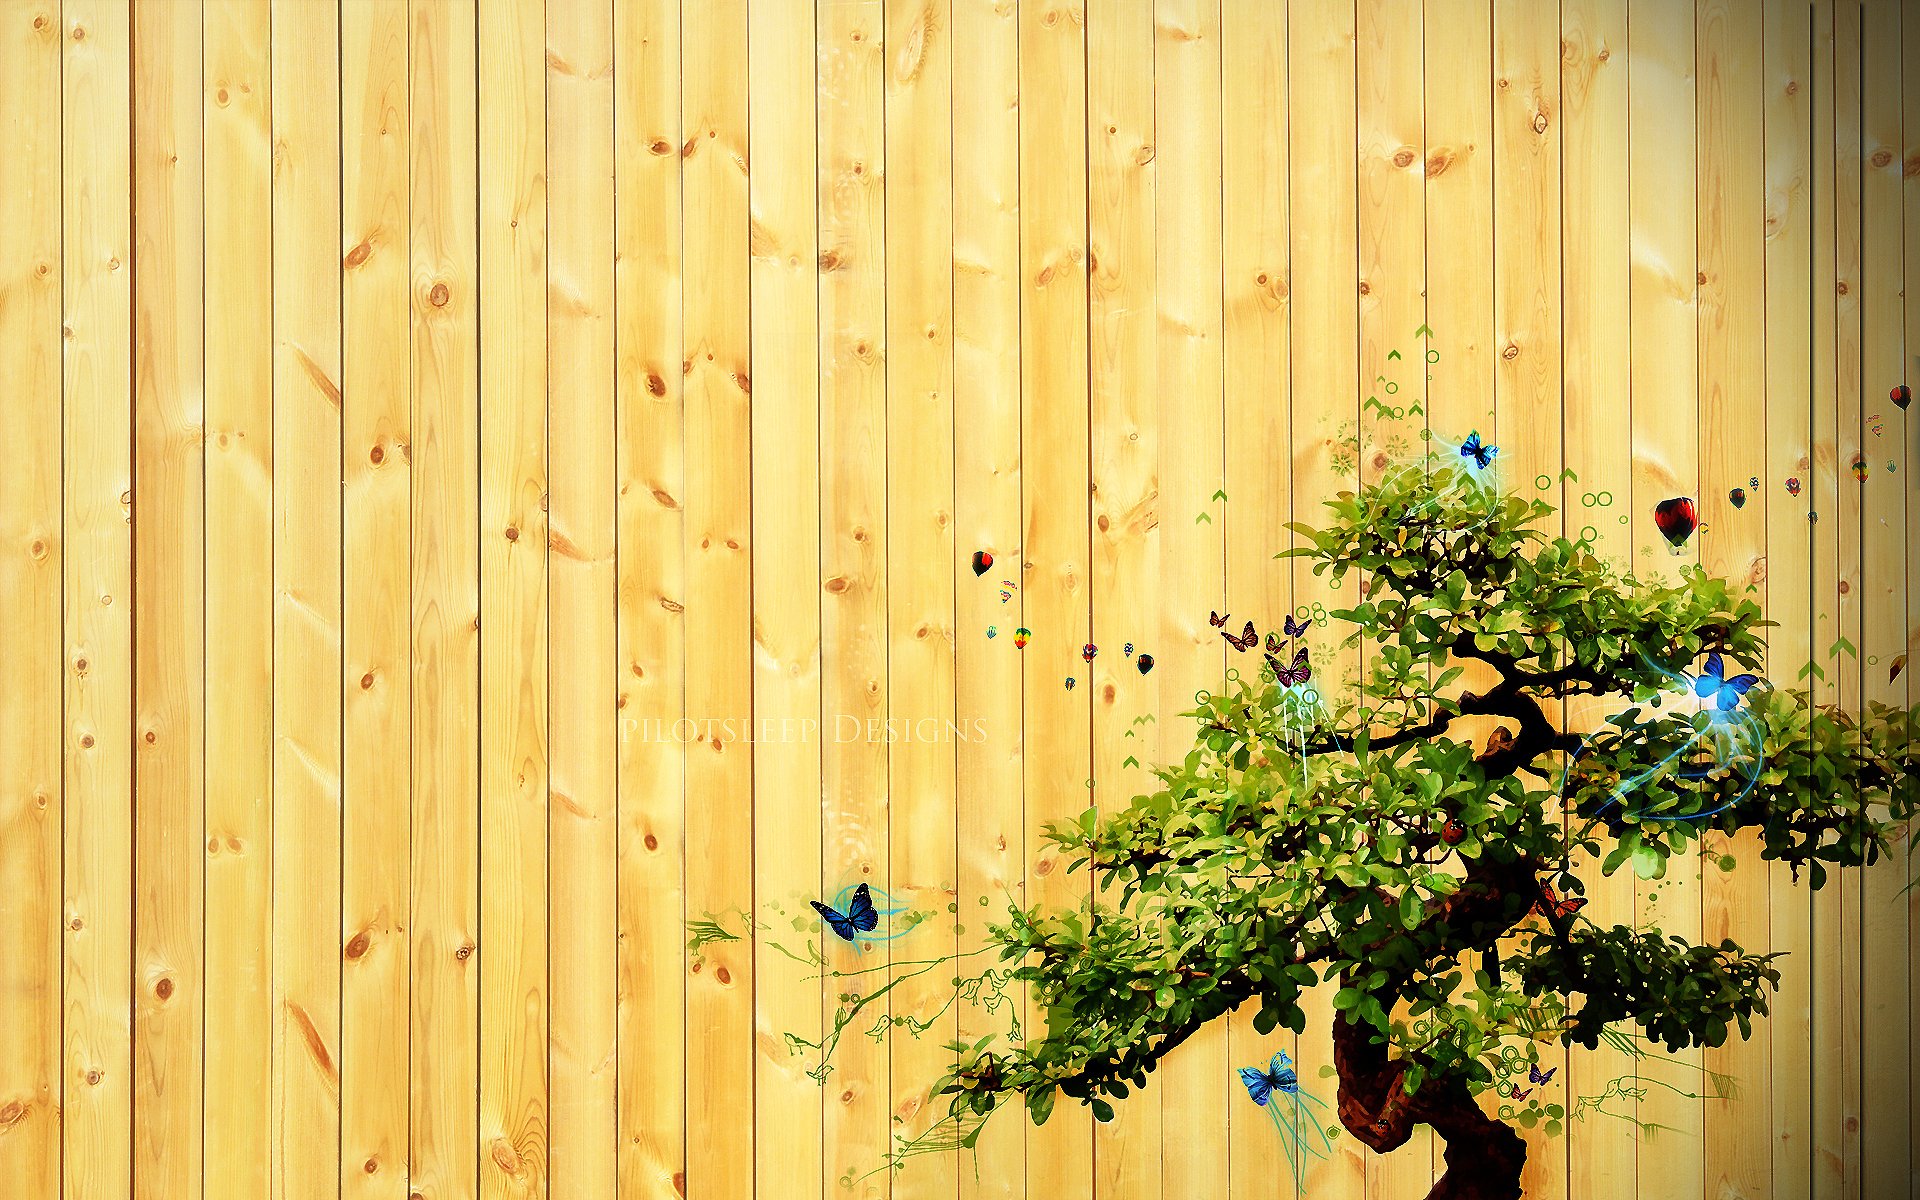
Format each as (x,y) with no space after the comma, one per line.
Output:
(1484,1157)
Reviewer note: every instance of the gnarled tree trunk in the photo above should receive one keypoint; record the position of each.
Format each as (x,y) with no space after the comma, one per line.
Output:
(1484,1157)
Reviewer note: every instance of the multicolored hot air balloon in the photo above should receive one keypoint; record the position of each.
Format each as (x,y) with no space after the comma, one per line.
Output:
(1860,467)
(1677,519)
(1020,637)
(1088,651)
(1901,395)
(1793,485)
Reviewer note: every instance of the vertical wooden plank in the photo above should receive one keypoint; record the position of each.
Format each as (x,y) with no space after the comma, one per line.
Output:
(1838,499)
(1664,332)
(97,1041)
(988,686)
(1459,177)
(1055,510)
(853,543)
(376,685)
(32,554)
(1886,1005)
(1391,223)
(169,631)
(582,806)
(1595,365)
(851,214)
(1122,167)
(786,582)
(1323,133)
(519,760)
(1731,227)
(1257,398)
(446,602)
(1900,428)
(718,448)
(1786,83)
(1527,290)
(652,593)
(1820,484)
(307,601)
(240,593)
(1189,387)
(921,577)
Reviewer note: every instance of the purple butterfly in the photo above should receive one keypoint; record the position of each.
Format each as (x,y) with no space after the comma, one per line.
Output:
(1294,675)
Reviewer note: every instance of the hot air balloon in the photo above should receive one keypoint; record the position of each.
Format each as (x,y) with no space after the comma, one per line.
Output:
(1020,637)
(1901,395)
(1739,497)
(1677,519)
(982,562)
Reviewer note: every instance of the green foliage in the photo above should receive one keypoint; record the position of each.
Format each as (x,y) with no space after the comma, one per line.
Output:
(1288,849)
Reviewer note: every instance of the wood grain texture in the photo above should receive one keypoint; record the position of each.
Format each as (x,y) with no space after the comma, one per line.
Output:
(237,115)
(787,595)
(583,678)
(376,681)
(719,590)
(988,454)
(307,605)
(922,563)
(519,749)
(31,565)
(651,600)
(444,452)
(169,637)
(383,442)
(1123,165)
(96,498)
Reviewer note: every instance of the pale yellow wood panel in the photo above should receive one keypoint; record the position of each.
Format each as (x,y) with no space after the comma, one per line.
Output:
(1055,579)
(1664,330)
(987,516)
(651,601)
(921,557)
(854,555)
(376,684)
(169,630)
(1838,499)
(1194,1082)
(1459,175)
(444,452)
(1528,416)
(1786,66)
(583,678)
(1122,171)
(32,554)
(719,591)
(514,1120)
(1900,427)
(1730,224)
(97,497)
(237,113)
(307,576)
(1256,398)
(1887,1013)
(787,597)
(1325,431)
(1595,367)
(1818,492)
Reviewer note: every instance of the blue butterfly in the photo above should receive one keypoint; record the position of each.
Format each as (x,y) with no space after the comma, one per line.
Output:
(1277,1089)
(1481,455)
(1278,1077)
(860,916)
(1725,692)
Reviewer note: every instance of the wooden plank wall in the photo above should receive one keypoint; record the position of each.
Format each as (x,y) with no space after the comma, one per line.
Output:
(468,463)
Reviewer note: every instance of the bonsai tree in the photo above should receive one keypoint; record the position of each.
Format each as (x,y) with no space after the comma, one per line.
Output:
(1369,843)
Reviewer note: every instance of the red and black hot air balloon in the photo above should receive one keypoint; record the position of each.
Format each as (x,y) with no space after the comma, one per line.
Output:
(1677,519)
(1901,395)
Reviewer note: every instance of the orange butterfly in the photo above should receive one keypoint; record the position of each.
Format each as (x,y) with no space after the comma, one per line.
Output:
(1562,909)
(1245,641)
